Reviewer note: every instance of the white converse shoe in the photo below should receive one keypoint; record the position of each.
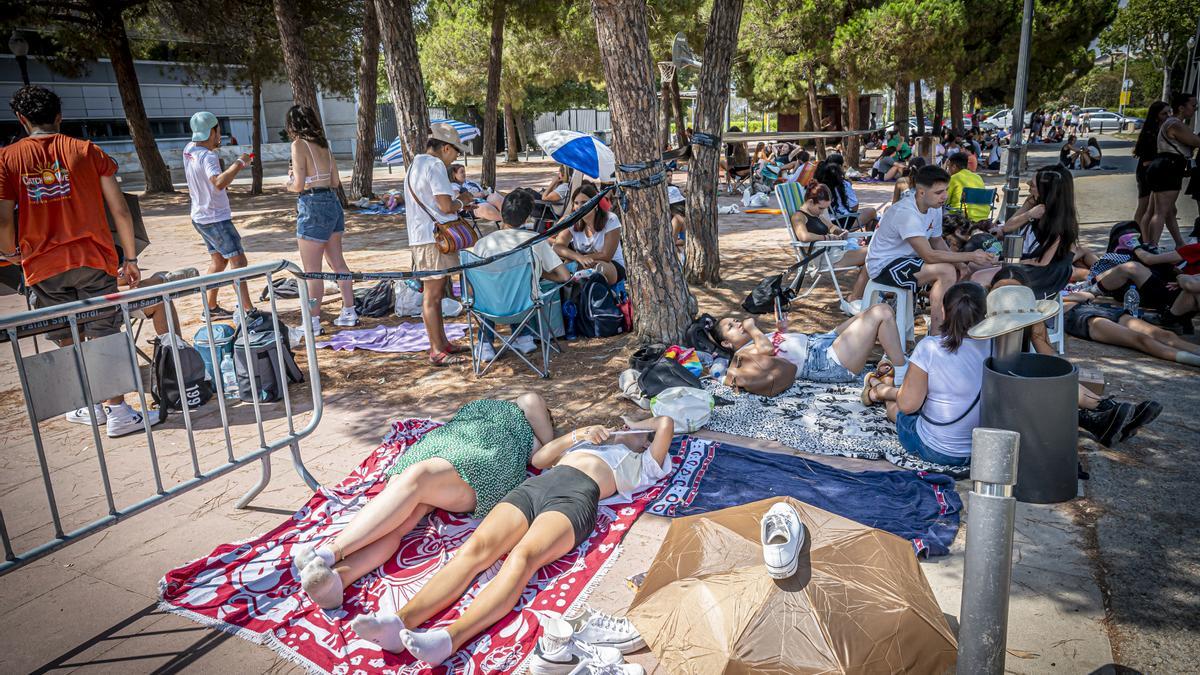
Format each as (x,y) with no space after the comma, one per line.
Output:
(590,668)
(782,537)
(124,420)
(80,415)
(485,352)
(347,318)
(570,656)
(524,344)
(602,630)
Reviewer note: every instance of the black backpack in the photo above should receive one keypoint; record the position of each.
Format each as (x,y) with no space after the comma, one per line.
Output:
(264,362)
(664,374)
(599,312)
(376,302)
(164,386)
(285,288)
(699,336)
(768,292)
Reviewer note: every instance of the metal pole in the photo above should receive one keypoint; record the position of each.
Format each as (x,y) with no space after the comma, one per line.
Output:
(1016,143)
(1124,78)
(987,572)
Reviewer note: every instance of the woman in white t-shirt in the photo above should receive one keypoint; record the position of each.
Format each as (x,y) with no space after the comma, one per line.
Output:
(595,241)
(937,406)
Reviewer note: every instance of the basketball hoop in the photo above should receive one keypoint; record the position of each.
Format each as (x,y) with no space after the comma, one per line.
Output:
(666,71)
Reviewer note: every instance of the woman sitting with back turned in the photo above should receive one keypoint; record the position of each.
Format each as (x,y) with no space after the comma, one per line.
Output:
(594,242)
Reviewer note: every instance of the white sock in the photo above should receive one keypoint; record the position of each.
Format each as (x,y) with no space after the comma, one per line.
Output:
(324,553)
(898,373)
(1189,358)
(382,629)
(432,646)
(322,584)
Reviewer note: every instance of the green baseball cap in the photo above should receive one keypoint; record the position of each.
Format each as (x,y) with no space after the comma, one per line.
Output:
(202,124)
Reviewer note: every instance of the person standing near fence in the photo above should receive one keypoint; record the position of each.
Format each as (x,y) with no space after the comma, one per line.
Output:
(320,221)
(62,240)
(211,215)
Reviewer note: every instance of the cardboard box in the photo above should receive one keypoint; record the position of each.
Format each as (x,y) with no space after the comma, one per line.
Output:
(1092,378)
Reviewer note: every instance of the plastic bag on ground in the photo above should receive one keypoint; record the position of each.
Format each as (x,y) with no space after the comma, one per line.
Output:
(690,408)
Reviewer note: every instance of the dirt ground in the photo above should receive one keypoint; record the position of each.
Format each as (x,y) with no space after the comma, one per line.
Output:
(1144,537)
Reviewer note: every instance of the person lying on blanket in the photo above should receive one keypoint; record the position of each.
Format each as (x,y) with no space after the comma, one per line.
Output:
(836,356)
(539,522)
(465,466)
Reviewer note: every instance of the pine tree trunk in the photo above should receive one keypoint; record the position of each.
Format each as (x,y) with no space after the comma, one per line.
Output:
(920,107)
(677,107)
(664,137)
(511,148)
(939,108)
(703,249)
(956,107)
(656,285)
(295,55)
(902,92)
(154,168)
(403,68)
(814,112)
(522,138)
(256,139)
(1166,88)
(492,100)
(853,122)
(368,68)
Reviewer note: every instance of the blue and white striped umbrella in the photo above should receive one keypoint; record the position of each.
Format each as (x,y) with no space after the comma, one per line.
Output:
(395,152)
(579,151)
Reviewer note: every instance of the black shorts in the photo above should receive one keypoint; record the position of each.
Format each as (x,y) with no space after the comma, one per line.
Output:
(1153,293)
(679,209)
(621,275)
(1165,173)
(901,273)
(1143,182)
(1076,320)
(564,489)
(80,283)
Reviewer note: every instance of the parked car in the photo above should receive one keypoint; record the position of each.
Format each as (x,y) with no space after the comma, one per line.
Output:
(912,126)
(1002,118)
(1102,120)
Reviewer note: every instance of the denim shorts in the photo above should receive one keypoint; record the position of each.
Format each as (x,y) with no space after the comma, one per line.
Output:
(910,440)
(821,364)
(319,215)
(221,237)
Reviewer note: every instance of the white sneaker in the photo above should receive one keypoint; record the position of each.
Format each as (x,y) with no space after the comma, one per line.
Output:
(524,344)
(588,668)
(602,630)
(485,352)
(347,318)
(782,537)
(124,420)
(569,657)
(80,415)
(316,325)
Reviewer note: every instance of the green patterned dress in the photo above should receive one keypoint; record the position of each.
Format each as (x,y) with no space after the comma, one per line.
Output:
(488,443)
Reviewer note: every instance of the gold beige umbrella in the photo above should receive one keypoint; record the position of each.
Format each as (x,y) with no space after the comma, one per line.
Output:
(858,603)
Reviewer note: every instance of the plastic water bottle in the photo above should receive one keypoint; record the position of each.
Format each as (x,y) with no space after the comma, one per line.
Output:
(229,381)
(569,313)
(1133,301)
(718,367)
(413,284)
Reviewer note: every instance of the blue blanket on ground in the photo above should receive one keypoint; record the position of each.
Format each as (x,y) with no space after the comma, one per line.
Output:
(921,507)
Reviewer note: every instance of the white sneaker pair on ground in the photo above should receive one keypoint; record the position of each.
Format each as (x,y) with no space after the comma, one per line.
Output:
(120,419)
(588,643)
(782,539)
(345,319)
(486,353)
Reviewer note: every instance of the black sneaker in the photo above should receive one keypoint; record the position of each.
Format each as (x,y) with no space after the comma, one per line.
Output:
(1106,421)
(219,312)
(1143,413)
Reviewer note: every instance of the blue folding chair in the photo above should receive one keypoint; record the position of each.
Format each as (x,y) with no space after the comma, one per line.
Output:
(507,292)
(980,197)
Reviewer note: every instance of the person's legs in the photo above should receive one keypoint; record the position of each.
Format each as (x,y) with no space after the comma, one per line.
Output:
(984,276)
(337,263)
(939,277)
(1116,278)
(1105,331)
(537,413)
(1157,334)
(1163,211)
(311,253)
(609,271)
(431,313)
(237,262)
(858,336)
(486,211)
(216,263)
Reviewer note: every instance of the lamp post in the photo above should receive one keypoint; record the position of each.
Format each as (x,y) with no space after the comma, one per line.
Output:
(1016,141)
(19,46)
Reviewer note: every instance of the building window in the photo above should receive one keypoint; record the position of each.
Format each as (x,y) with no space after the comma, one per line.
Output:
(101,130)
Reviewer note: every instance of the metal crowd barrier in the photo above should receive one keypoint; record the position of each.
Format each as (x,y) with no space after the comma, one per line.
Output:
(108,366)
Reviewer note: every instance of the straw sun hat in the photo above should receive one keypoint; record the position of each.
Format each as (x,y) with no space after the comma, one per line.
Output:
(1011,308)
(447,134)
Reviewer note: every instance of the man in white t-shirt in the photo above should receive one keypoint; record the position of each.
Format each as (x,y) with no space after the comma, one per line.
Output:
(908,251)
(428,196)
(211,215)
(518,204)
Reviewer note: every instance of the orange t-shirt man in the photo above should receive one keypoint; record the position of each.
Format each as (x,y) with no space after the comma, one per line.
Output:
(61,225)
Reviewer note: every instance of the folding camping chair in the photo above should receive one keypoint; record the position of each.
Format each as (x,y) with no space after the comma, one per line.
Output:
(790,196)
(980,197)
(507,291)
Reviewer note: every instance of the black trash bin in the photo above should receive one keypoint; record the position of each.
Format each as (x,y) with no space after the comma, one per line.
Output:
(1037,396)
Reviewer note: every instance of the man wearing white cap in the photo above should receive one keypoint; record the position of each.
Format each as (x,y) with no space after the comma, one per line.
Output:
(429,195)
(211,215)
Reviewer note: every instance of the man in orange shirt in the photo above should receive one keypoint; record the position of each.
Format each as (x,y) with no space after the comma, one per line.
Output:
(62,241)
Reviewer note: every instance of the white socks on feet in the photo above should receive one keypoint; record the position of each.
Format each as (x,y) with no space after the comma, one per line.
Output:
(432,646)
(382,629)
(1188,358)
(322,584)
(309,552)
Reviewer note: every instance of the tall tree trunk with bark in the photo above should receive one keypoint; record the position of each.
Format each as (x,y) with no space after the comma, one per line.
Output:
(664,137)
(939,109)
(919,104)
(295,55)
(256,139)
(814,112)
(902,92)
(112,27)
(368,70)
(522,137)
(703,249)
(403,68)
(492,100)
(677,107)
(511,147)
(956,106)
(657,288)
(853,123)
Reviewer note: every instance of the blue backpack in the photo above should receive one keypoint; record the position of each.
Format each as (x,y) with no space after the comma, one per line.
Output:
(599,311)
